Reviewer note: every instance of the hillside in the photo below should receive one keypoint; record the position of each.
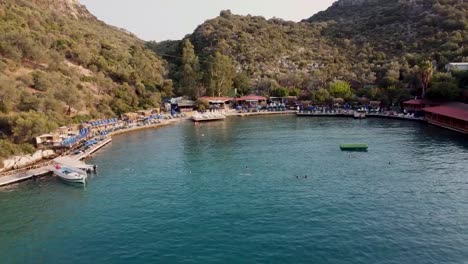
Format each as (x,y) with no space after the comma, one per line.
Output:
(59,64)
(288,53)
(365,42)
(434,28)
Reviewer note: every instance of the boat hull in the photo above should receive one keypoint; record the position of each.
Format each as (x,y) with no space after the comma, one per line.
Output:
(71,176)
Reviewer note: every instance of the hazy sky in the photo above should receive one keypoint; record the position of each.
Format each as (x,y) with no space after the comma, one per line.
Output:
(173,19)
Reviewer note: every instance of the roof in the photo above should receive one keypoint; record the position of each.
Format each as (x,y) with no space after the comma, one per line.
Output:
(420,102)
(251,97)
(45,136)
(183,103)
(458,64)
(454,110)
(216,99)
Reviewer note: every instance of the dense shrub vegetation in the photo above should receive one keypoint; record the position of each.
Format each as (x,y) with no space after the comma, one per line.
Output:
(384,45)
(57,63)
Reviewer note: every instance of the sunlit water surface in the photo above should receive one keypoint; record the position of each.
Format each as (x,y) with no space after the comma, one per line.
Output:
(235,192)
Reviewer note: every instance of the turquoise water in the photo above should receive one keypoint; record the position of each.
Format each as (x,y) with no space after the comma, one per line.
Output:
(227,193)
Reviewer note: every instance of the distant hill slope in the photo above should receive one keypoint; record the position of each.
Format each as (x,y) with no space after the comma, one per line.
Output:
(266,49)
(58,62)
(436,28)
(361,41)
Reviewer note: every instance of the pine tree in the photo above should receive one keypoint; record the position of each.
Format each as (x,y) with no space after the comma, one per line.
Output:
(190,71)
(221,73)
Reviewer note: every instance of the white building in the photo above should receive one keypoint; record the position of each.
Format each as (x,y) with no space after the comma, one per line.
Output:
(457,66)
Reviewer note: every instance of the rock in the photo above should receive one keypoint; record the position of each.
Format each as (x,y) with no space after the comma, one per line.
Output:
(48,153)
(37,156)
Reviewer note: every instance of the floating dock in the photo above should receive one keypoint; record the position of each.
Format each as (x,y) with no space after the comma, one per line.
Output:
(354,147)
(208,118)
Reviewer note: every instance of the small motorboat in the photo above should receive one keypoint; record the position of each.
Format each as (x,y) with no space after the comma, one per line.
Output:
(70,175)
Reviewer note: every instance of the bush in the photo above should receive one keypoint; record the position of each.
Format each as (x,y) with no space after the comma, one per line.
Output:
(202,104)
(41,81)
(27,126)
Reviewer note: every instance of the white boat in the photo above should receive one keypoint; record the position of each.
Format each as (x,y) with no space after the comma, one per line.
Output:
(360,114)
(70,175)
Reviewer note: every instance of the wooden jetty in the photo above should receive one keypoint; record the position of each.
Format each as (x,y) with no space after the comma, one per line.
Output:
(208,117)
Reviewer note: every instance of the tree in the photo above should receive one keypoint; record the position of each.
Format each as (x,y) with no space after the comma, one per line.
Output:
(242,83)
(341,89)
(70,96)
(426,72)
(167,88)
(190,70)
(321,96)
(221,74)
(396,94)
(26,126)
(279,92)
(202,104)
(8,94)
(444,87)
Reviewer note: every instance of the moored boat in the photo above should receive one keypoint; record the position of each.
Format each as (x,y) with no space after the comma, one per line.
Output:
(360,114)
(69,174)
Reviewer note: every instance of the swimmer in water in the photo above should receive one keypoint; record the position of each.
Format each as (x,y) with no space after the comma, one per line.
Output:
(305,177)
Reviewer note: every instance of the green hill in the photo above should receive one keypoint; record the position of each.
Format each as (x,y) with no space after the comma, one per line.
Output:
(369,43)
(59,64)
(433,28)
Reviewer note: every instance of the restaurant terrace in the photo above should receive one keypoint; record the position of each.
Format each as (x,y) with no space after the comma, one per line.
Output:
(453,116)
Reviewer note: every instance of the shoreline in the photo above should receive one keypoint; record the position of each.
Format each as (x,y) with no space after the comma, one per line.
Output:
(11,177)
(44,168)
(145,127)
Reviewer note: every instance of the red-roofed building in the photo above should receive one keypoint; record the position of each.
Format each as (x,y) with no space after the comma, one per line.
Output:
(418,104)
(251,102)
(251,98)
(453,116)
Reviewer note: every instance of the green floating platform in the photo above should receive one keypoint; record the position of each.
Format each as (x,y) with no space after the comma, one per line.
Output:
(354,147)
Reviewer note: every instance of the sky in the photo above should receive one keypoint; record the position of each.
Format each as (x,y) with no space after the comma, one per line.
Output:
(173,19)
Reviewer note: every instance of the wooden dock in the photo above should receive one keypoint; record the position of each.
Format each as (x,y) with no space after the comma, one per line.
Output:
(48,167)
(24,176)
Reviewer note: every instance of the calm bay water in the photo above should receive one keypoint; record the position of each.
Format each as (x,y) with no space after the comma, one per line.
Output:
(227,193)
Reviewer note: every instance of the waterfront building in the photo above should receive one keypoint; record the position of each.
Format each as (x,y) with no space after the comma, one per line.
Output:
(48,141)
(218,103)
(182,105)
(288,101)
(252,101)
(453,116)
(416,105)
